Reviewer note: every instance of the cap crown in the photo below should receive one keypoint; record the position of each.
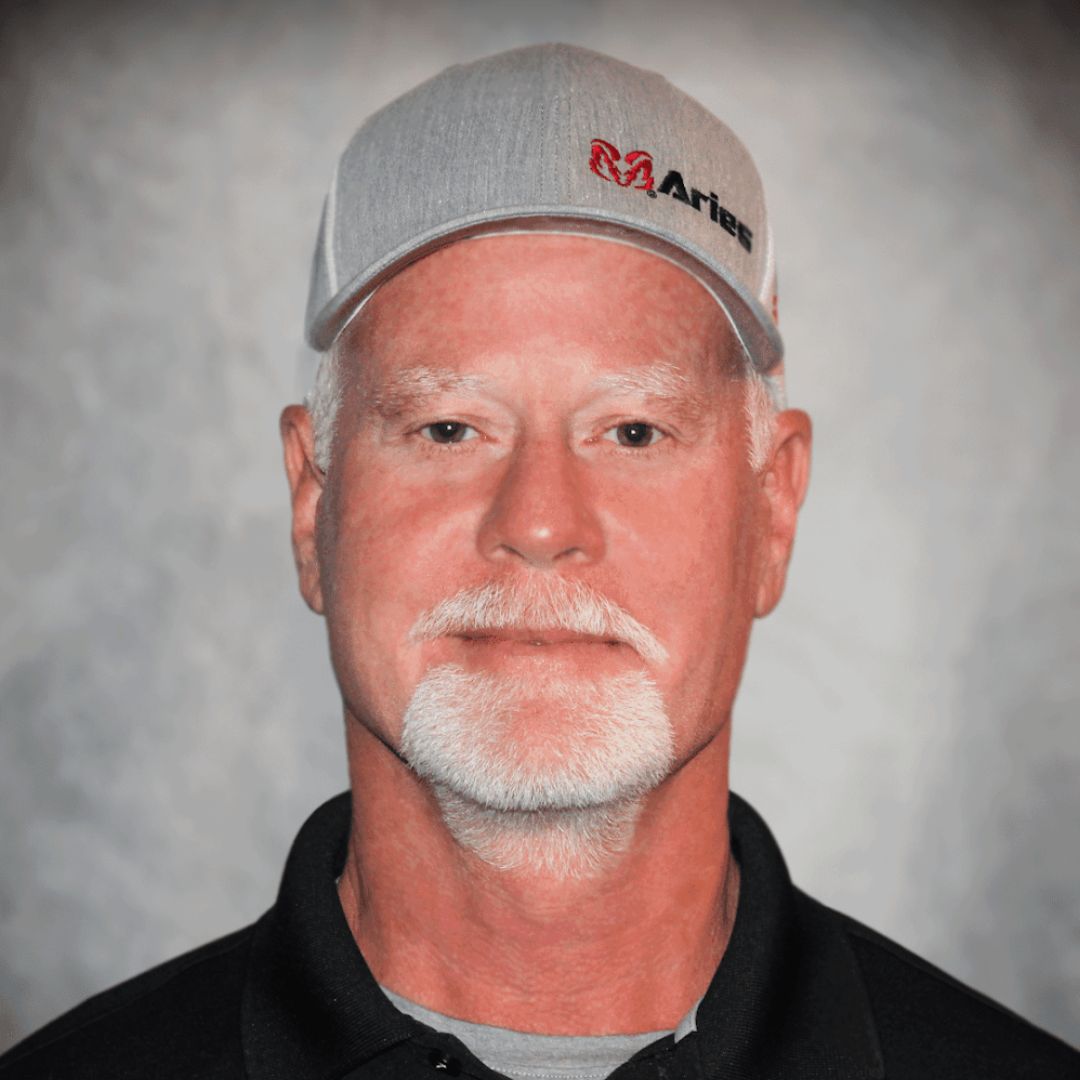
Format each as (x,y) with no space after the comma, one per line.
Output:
(553,138)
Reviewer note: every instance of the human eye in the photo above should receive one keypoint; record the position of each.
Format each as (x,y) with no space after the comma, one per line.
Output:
(632,433)
(448,432)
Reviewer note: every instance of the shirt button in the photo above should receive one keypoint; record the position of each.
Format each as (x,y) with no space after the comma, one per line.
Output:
(443,1062)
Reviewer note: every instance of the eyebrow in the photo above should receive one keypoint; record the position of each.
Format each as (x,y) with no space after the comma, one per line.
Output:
(412,385)
(650,380)
(656,382)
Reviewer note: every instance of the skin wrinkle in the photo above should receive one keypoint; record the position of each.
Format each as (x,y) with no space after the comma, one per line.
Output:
(411,390)
(504,916)
(658,383)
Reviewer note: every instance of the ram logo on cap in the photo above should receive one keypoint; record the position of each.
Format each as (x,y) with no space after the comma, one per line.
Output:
(604,162)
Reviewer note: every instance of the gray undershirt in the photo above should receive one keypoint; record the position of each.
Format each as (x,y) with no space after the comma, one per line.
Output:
(525,1056)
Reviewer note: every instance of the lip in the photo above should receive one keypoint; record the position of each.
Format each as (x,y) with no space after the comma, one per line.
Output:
(536,638)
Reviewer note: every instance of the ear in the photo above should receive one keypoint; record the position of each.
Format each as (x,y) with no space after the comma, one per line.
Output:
(783,487)
(306,482)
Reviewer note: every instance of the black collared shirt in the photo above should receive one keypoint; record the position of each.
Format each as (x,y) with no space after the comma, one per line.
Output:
(802,993)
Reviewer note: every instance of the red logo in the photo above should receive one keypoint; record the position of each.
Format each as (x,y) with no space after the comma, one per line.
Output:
(636,171)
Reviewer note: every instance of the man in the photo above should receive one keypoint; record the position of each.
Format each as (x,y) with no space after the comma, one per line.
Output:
(543,486)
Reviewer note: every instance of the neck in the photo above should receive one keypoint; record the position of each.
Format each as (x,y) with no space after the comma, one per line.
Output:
(627,948)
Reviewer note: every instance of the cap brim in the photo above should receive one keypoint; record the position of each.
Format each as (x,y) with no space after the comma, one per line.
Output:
(753,326)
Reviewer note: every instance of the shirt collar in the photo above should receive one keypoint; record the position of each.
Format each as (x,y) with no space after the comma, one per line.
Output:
(787,999)
(311,1007)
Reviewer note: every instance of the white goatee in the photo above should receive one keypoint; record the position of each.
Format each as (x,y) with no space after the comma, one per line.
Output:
(535,772)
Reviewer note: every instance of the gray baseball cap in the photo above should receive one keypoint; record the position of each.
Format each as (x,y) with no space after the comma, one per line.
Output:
(549,138)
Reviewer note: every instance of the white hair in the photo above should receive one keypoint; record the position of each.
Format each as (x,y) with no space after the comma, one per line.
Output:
(460,731)
(764,397)
(556,843)
(323,402)
(543,773)
(547,604)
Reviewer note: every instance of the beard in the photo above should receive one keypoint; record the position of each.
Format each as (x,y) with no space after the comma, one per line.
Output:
(543,775)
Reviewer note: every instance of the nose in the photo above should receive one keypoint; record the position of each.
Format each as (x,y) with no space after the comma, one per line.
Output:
(541,512)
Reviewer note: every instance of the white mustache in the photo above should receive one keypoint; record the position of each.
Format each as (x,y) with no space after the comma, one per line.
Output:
(538,604)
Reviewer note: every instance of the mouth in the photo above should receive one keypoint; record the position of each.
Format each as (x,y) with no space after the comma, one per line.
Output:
(565,651)
(536,638)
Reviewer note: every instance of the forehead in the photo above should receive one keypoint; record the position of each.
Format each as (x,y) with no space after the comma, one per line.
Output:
(542,306)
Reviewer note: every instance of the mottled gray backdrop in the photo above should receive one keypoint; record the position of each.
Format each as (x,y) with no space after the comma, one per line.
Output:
(167,713)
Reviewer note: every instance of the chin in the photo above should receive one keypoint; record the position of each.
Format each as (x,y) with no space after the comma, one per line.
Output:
(545,775)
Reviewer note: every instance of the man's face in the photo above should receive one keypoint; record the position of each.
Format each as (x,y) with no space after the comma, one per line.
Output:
(539,422)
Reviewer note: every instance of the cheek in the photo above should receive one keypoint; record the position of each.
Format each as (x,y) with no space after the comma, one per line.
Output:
(391,550)
(685,538)
(701,593)
(683,552)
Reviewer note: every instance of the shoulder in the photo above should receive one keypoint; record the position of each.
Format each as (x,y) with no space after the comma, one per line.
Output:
(930,1024)
(180,1019)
